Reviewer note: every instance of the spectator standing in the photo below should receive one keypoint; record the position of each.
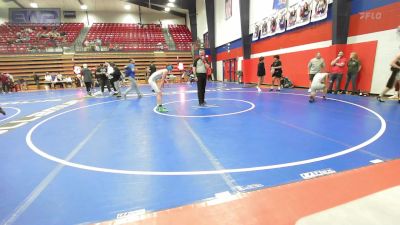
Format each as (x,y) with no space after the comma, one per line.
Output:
(87,78)
(316,65)
(276,71)
(354,67)
(260,72)
(338,65)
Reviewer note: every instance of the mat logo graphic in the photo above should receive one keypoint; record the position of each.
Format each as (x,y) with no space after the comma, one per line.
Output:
(249,187)
(317,173)
(21,122)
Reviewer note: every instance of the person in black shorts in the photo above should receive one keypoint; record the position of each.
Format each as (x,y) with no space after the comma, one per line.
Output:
(276,71)
(260,72)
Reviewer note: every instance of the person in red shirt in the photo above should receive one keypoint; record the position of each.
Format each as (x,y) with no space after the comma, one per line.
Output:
(338,65)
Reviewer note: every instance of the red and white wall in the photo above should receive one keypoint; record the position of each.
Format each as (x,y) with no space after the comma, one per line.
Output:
(372,34)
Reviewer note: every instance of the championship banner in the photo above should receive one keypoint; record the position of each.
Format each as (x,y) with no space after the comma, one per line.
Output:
(264,28)
(281,19)
(304,12)
(272,24)
(257,31)
(291,16)
(320,10)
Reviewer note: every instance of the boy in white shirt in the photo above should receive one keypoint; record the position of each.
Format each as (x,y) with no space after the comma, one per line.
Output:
(318,84)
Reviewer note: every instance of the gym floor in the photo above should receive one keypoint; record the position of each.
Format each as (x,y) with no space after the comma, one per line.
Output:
(72,159)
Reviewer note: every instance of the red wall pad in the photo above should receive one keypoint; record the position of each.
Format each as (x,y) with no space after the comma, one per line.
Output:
(295,64)
(375,20)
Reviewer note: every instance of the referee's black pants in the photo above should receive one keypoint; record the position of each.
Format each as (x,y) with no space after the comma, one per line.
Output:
(201,86)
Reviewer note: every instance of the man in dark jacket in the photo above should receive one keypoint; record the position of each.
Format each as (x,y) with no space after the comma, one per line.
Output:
(116,76)
(87,78)
(101,76)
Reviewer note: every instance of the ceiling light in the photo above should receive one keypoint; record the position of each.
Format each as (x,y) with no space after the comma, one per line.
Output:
(127,7)
(170,4)
(34,5)
(167,9)
(84,7)
(172,1)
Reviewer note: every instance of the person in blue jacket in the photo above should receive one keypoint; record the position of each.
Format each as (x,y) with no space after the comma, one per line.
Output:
(130,73)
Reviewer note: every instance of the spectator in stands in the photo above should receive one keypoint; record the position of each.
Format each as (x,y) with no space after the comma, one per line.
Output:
(37,80)
(130,72)
(22,82)
(337,71)
(316,65)
(4,83)
(59,77)
(48,79)
(101,72)
(200,66)
(87,78)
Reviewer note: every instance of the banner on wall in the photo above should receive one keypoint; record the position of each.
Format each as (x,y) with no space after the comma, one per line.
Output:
(257,31)
(304,12)
(291,16)
(280,4)
(319,10)
(228,9)
(264,28)
(272,24)
(281,19)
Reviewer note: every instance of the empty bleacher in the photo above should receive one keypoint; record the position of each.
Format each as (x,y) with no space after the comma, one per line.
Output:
(181,36)
(127,37)
(25,38)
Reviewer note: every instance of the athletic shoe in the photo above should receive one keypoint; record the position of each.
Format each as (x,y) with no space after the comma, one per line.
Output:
(258,89)
(392,97)
(324,97)
(271,89)
(311,100)
(161,109)
(2,111)
(140,95)
(309,90)
(379,98)
(118,96)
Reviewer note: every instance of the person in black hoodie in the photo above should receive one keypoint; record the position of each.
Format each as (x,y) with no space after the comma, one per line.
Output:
(116,77)
(87,78)
(102,78)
